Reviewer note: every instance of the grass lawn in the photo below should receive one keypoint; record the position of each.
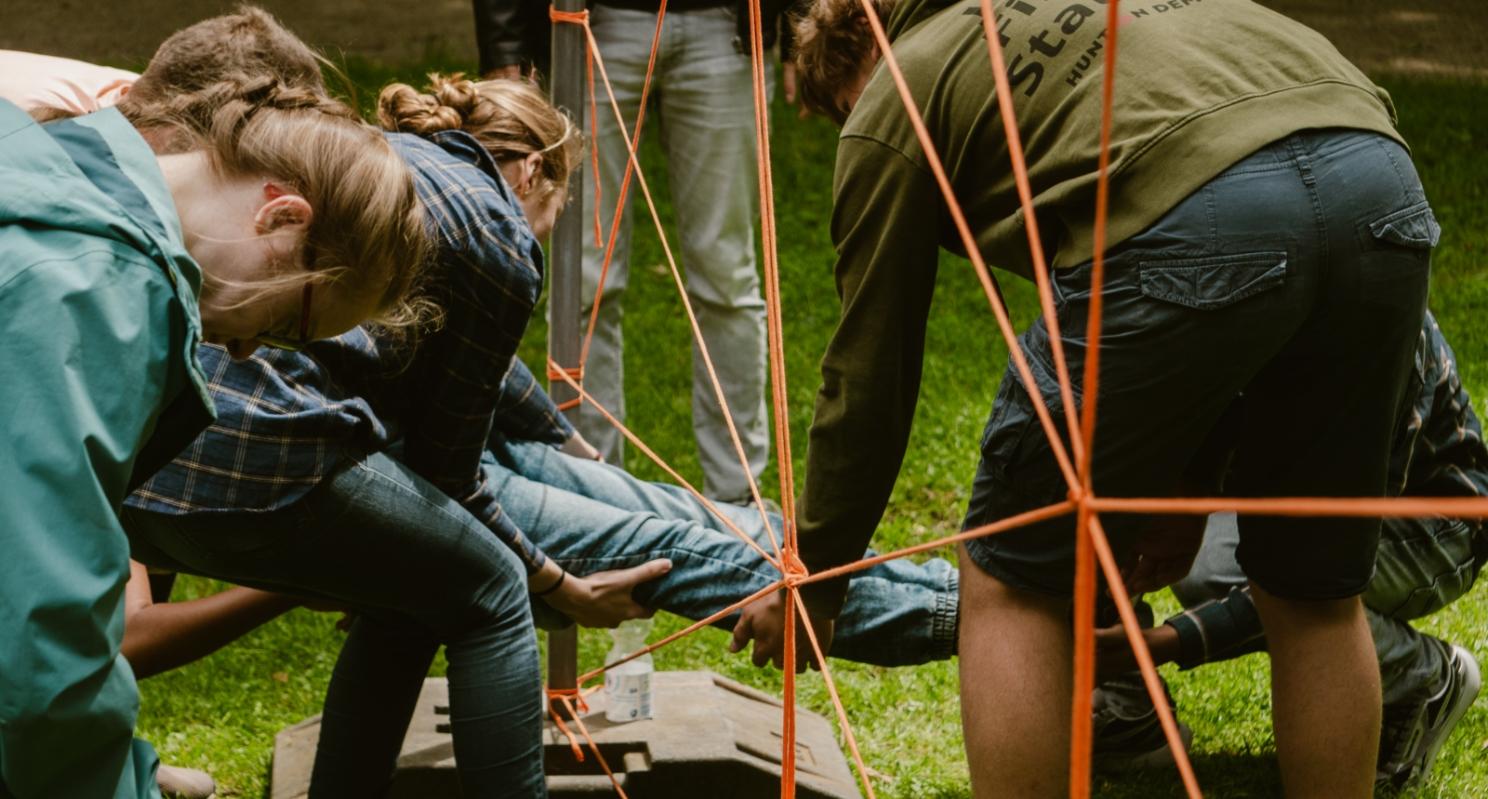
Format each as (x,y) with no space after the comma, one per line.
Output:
(221,714)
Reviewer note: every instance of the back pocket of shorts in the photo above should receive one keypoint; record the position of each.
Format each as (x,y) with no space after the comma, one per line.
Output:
(1414,226)
(1213,281)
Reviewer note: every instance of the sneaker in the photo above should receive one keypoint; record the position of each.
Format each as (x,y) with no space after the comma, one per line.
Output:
(1418,744)
(1444,710)
(1128,734)
(184,783)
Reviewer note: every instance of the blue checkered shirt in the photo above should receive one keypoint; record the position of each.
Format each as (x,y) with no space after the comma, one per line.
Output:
(286,419)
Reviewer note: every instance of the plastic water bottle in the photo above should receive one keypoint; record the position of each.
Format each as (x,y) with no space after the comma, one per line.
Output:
(628,686)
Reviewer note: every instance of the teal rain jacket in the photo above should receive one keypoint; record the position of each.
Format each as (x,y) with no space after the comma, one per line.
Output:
(98,379)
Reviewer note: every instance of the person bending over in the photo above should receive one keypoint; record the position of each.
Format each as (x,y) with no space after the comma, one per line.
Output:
(1268,236)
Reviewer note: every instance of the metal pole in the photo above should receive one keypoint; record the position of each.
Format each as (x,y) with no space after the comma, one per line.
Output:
(565,309)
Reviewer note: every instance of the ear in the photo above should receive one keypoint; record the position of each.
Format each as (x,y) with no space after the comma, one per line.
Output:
(531,168)
(282,211)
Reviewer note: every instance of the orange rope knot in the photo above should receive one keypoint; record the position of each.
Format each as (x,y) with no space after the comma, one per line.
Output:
(556,372)
(575,17)
(574,693)
(795,569)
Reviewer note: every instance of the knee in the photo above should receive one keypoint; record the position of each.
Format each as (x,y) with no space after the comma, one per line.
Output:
(502,602)
(1283,617)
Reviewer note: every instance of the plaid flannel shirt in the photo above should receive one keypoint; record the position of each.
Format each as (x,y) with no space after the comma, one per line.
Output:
(285,420)
(1438,451)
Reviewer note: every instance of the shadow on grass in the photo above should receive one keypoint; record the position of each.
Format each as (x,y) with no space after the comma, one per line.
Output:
(1227,775)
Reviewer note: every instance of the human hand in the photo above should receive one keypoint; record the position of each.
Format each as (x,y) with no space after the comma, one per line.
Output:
(764,623)
(1164,551)
(1113,652)
(788,83)
(603,599)
(578,447)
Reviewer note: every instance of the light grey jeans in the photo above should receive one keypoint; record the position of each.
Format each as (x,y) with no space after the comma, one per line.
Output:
(1422,566)
(703,110)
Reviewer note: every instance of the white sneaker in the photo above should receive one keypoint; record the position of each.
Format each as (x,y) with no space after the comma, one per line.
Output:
(184,783)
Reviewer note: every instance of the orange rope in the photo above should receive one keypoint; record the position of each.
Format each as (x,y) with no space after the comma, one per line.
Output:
(788,703)
(821,659)
(571,17)
(697,333)
(594,155)
(1004,96)
(1000,526)
(1133,630)
(1384,507)
(771,252)
(593,747)
(1082,720)
(648,452)
(631,164)
(573,742)
(1092,545)
(1004,322)
(775,335)
(556,372)
(698,625)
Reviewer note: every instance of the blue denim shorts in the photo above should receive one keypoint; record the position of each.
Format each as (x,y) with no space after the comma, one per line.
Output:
(1297,276)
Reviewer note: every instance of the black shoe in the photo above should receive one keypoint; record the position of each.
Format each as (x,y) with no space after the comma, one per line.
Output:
(1414,737)
(1128,735)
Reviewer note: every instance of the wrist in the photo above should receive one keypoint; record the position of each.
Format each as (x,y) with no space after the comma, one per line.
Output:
(549,586)
(1164,644)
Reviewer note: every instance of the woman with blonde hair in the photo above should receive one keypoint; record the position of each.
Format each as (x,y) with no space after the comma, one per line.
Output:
(294,489)
(281,220)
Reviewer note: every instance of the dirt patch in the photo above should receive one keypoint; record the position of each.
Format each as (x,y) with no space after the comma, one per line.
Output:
(1441,38)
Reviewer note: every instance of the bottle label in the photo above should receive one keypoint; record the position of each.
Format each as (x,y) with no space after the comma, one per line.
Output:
(629,695)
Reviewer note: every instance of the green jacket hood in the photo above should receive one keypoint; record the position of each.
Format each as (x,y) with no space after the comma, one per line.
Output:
(47,189)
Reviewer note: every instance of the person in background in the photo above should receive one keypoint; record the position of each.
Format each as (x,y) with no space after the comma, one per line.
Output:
(704,94)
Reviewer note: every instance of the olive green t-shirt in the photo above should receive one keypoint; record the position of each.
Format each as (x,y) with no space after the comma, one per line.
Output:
(1200,84)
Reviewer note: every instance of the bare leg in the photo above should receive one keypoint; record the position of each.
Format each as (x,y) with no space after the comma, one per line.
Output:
(1015,687)
(1325,689)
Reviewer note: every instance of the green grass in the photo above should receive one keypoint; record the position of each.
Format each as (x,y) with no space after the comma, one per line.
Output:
(221,714)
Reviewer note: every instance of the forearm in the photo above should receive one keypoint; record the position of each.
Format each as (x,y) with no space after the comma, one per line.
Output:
(525,412)
(1218,630)
(884,224)
(168,635)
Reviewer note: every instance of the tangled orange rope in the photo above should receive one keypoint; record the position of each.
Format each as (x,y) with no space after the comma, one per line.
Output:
(1074,463)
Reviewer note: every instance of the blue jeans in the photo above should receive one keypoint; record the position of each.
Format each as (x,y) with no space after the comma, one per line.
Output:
(419,571)
(1296,277)
(1423,565)
(591,517)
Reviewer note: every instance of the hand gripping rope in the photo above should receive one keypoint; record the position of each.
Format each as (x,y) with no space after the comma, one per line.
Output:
(1092,547)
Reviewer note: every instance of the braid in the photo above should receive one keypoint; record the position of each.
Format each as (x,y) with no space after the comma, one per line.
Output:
(223,107)
(510,118)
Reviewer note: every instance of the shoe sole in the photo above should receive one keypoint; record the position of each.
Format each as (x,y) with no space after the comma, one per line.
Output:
(1472,683)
